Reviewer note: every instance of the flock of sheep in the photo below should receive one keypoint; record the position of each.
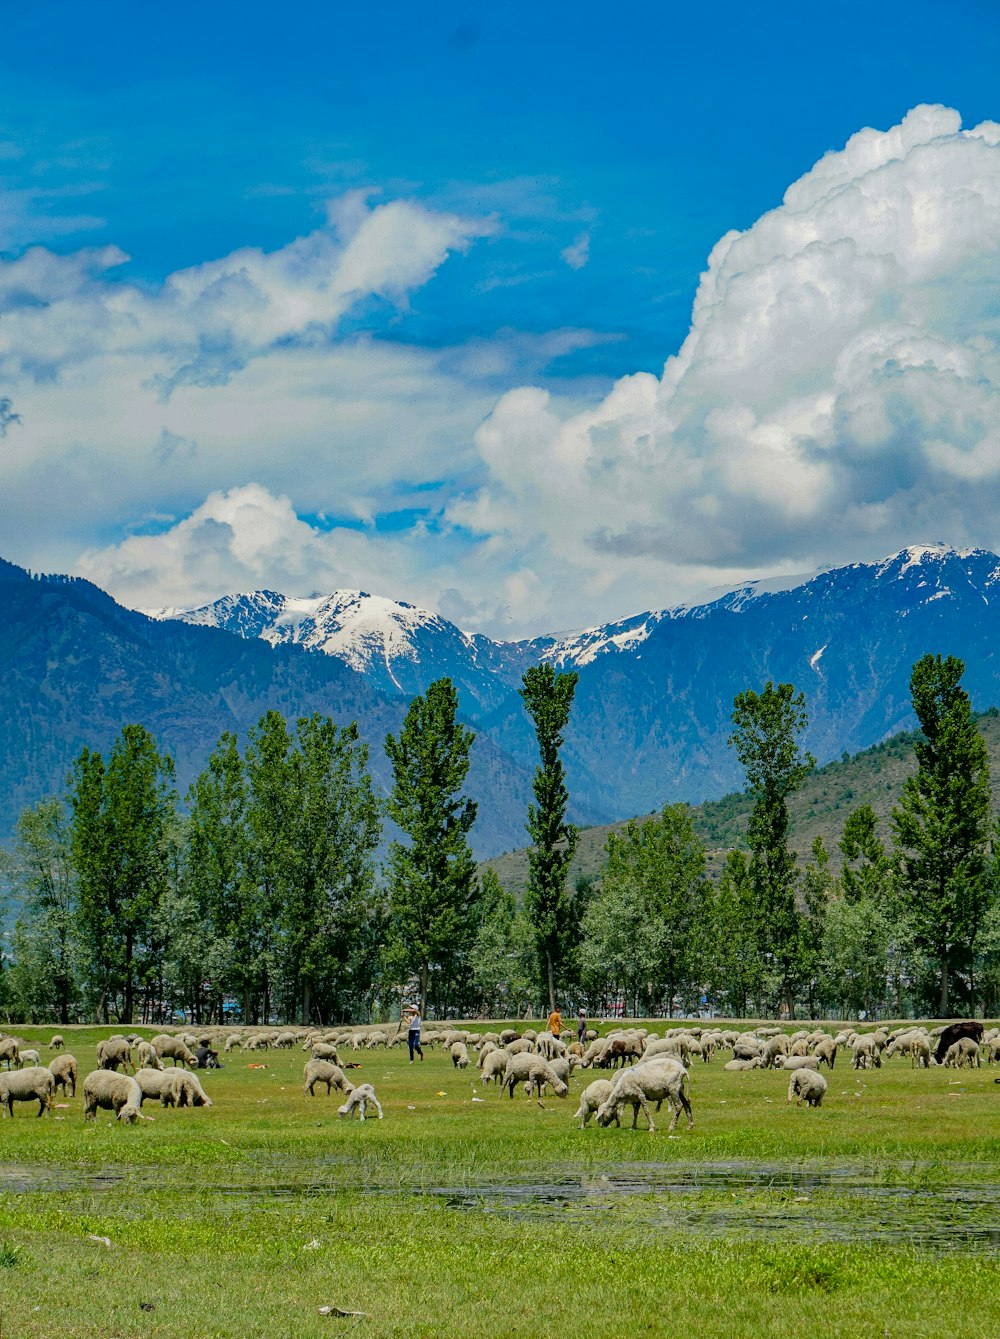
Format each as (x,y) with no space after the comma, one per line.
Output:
(646,1069)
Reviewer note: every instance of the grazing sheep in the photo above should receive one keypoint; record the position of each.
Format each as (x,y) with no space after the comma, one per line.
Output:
(184,1090)
(110,1091)
(508,1035)
(172,1048)
(284,1041)
(919,1048)
(258,1043)
(359,1099)
(748,1047)
(800,1047)
(755,1063)
(63,1070)
(113,1052)
(153,1082)
(657,1081)
(34,1084)
(592,1097)
(323,1050)
(523,1046)
(965,1051)
(807,1086)
(321,1071)
(532,1069)
(494,1065)
(773,1047)
(232,1041)
(10,1052)
(57,1043)
(148,1059)
(867,1054)
(826,1050)
(29,1057)
(376,1039)
(460,1055)
(487,1048)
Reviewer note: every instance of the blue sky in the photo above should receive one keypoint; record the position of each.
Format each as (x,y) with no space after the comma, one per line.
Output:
(551,181)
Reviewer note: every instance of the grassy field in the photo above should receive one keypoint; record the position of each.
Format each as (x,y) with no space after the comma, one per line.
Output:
(878,1215)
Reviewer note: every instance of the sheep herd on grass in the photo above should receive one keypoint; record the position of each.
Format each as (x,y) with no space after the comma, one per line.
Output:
(645,1069)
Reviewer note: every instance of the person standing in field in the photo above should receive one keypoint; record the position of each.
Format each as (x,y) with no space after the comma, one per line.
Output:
(555,1022)
(413,1033)
(581,1026)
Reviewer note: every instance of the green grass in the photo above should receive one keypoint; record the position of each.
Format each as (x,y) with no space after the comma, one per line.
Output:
(875,1215)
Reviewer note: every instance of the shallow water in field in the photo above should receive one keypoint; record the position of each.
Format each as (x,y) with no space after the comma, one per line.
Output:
(930,1207)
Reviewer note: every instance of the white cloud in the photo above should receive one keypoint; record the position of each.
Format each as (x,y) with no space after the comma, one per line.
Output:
(577,253)
(837,394)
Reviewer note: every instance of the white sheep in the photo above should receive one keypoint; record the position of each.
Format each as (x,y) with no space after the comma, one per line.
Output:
(459,1055)
(112,1092)
(807,1086)
(592,1097)
(659,1081)
(359,1099)
(34,1084)
(63,1070)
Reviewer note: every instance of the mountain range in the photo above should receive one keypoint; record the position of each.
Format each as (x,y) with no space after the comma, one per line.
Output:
(651,717)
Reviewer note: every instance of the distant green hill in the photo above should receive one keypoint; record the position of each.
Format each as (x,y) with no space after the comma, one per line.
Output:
(875,776)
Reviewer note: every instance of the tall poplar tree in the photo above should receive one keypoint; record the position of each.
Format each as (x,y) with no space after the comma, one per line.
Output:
(942,827)
(123,824)
(548,699)
(767,726)
(432,884)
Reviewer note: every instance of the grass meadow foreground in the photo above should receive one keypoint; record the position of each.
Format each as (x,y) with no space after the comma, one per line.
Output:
(463,1214)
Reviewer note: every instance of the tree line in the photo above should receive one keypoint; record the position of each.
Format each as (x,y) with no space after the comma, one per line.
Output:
(273,893)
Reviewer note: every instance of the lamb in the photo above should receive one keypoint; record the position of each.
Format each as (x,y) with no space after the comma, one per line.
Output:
(232,1041)
(184,1090)
(111,1091)
(148,1059)
(459,1055)
(10,1052)
(807,1086)
(114,1051)
(532,1069)
(969,1027)
(63,1070)
(34,1084)
(57,1043)
(321,1071)
(592,1097)
(174,1049)
(30,1057)
(359,1099)
(755,1063)
(656,1081)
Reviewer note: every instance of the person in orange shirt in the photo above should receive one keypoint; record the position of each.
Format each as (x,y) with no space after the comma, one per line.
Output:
(555,1021)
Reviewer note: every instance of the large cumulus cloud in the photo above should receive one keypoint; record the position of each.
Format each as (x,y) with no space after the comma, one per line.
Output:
(838,394)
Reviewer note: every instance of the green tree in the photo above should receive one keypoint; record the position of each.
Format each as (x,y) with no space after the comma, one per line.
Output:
(867,871)
(854,955)
(40,874)
(654,883)
(432,885)
(734,968)
(942,829)
(502,957)
(272,815)
(767,726)
(818,887)
(122,830)
(217,881)
(548,699)
(332,880)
